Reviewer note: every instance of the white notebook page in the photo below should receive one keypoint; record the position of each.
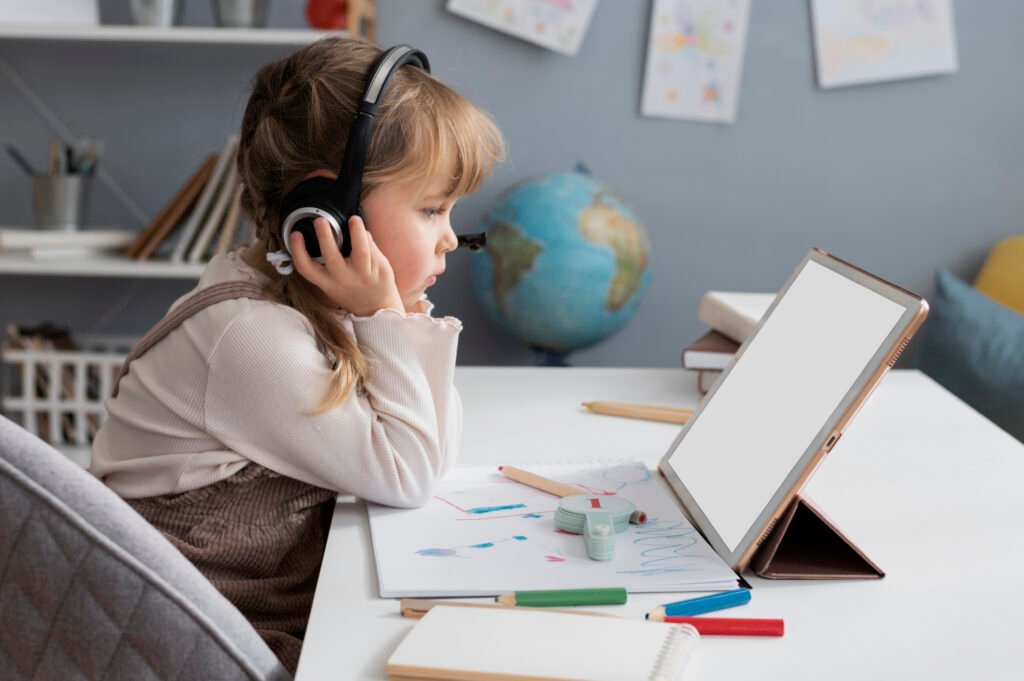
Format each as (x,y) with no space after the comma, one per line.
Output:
(512,643)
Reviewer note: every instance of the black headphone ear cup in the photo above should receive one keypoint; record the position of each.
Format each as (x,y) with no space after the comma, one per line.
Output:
(308,200)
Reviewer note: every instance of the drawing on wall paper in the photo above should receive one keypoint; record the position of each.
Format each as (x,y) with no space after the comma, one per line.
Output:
(866,41)
(483,534)
(558,25)
(694,59)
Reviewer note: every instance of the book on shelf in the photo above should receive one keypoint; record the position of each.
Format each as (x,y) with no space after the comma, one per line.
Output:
(733,314)
(204,214)
(210,193)
(215,219)
(59,254)
(710,351)
(36,243)
(231,223)
(169,218)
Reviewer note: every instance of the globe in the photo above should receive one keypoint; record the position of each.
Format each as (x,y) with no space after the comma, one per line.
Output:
(566,263)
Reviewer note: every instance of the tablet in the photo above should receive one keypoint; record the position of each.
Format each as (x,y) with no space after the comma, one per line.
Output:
(782,404)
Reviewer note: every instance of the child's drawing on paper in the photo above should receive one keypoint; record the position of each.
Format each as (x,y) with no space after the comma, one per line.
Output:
(495,535)
(454,550)
(556,24)
(863,41)
(694,58)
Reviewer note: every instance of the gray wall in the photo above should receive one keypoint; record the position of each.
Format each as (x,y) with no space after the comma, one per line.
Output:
(900,178)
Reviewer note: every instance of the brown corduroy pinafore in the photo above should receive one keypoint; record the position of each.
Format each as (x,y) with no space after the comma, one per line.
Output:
(258,536)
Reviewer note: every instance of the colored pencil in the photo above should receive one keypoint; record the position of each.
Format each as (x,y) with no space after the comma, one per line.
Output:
(731,626)
(418,607)
(640,411)
(539,482)
(557,597)
(701,605)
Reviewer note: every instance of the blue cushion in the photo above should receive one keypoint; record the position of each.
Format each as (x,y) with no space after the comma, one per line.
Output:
(975,348)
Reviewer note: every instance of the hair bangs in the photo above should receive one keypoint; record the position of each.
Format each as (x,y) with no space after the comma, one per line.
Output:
(434,133)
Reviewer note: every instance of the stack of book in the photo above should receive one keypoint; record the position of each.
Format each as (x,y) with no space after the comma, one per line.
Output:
(732,317)
(204,215)
(38,244)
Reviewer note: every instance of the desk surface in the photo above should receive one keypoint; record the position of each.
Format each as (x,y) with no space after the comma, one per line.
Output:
(928,488)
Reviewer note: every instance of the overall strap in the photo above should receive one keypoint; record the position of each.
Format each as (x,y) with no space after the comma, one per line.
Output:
(203,299)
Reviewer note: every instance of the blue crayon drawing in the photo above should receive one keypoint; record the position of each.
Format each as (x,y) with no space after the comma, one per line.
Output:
(492,509)
(614,480)
(454,551)
(668,548)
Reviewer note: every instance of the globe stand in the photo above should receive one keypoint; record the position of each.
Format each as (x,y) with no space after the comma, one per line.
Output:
(544,357)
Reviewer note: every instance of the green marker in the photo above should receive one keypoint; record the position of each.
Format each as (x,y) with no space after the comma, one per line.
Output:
(561,597)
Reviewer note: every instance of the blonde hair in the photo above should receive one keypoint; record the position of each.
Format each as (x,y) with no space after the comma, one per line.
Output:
(297,121)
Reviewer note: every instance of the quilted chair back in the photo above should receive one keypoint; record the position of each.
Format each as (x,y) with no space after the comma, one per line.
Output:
(89,590)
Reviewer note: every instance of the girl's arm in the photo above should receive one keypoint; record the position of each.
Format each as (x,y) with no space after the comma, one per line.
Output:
(389,442)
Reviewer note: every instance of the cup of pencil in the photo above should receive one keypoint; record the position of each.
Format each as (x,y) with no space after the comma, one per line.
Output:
(60,196)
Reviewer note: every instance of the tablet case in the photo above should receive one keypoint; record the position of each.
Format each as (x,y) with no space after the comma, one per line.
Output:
(805,544)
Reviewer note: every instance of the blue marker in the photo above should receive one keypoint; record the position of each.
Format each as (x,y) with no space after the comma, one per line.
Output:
(699,606)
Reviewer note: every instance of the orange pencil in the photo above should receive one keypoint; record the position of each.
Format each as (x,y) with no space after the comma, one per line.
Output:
(640,411)
(539,482)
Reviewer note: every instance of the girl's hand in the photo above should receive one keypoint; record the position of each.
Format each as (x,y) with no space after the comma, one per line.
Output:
(361,283)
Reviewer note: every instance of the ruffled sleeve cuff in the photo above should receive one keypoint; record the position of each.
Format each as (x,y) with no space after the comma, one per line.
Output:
(421,315)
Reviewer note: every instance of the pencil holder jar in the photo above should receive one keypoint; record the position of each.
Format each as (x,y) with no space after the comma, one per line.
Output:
(240,13)
(162,13)
(60,202)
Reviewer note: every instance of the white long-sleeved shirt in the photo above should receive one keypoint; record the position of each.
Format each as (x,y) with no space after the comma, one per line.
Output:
(232,385)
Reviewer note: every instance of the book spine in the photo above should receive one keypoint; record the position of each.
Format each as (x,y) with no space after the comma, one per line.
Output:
(227,232)
(189,230)
(152,236)
(226,191)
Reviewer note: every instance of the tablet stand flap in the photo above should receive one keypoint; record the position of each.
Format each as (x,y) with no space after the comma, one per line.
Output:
(805,545)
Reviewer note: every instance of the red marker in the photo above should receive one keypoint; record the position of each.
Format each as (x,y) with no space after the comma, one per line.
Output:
(731,626)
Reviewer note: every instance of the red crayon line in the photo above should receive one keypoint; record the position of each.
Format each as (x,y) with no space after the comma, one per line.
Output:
(732,626)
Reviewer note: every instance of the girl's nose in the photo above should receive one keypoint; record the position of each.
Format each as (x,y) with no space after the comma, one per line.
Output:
(448,240)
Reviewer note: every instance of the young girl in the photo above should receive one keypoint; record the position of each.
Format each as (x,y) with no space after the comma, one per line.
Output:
(266,391)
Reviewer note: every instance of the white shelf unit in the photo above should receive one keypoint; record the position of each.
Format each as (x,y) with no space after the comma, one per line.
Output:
(177,34)
(106,266)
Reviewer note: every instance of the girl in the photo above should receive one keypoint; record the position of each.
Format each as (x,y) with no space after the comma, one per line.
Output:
(266,391)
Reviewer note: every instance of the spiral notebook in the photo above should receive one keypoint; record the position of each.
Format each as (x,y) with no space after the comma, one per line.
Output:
(506,644)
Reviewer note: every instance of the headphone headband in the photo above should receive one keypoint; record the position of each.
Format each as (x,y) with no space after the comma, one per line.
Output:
(350,176)
(382,70)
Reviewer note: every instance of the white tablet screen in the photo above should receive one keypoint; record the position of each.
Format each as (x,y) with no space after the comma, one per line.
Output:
(781,392)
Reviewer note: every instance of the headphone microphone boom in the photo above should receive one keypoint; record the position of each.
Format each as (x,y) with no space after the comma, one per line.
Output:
(338,200)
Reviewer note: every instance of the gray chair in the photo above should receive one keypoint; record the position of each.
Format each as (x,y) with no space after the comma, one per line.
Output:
(90,590)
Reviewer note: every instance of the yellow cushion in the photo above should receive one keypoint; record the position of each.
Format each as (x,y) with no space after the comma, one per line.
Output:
(1002,276)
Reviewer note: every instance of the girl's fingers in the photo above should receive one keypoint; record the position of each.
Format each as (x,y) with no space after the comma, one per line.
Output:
(360,255)
(328,242)
(377,257)
(305,266)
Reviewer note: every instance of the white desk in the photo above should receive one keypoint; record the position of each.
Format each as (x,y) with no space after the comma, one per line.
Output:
(928,488)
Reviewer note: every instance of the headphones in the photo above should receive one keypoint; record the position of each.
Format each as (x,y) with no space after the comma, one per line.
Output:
(338,200)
